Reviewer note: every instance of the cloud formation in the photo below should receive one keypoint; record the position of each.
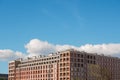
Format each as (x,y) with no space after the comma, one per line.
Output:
(8,54)
(106,49)
(36,47)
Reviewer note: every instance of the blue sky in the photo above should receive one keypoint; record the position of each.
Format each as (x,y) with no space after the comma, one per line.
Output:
(73,22)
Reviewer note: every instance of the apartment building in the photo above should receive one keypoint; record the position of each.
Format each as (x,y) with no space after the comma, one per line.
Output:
(66,65)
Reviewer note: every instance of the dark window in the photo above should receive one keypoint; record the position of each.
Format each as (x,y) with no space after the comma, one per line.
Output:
(78,60)
(81,60)
(91,62)
(81,65)
(78,55)
(88,61)
(82,56)
(88,56)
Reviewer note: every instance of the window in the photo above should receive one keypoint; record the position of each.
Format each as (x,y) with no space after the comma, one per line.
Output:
(81,65)
(67,59)
(82,56)
(78,60)
(88,56)
(81,60)
(67,54)
(78,55)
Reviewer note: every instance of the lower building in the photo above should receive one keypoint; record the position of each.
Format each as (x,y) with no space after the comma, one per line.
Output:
(3,76)
(66,65)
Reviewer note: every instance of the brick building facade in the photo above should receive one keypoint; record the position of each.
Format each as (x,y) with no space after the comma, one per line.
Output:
(66,65)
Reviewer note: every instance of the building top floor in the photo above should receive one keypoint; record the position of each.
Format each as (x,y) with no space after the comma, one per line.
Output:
(56,56)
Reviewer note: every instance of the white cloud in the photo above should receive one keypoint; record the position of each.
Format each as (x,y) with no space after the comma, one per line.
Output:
(8,54)
(36,47)
(106,49)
